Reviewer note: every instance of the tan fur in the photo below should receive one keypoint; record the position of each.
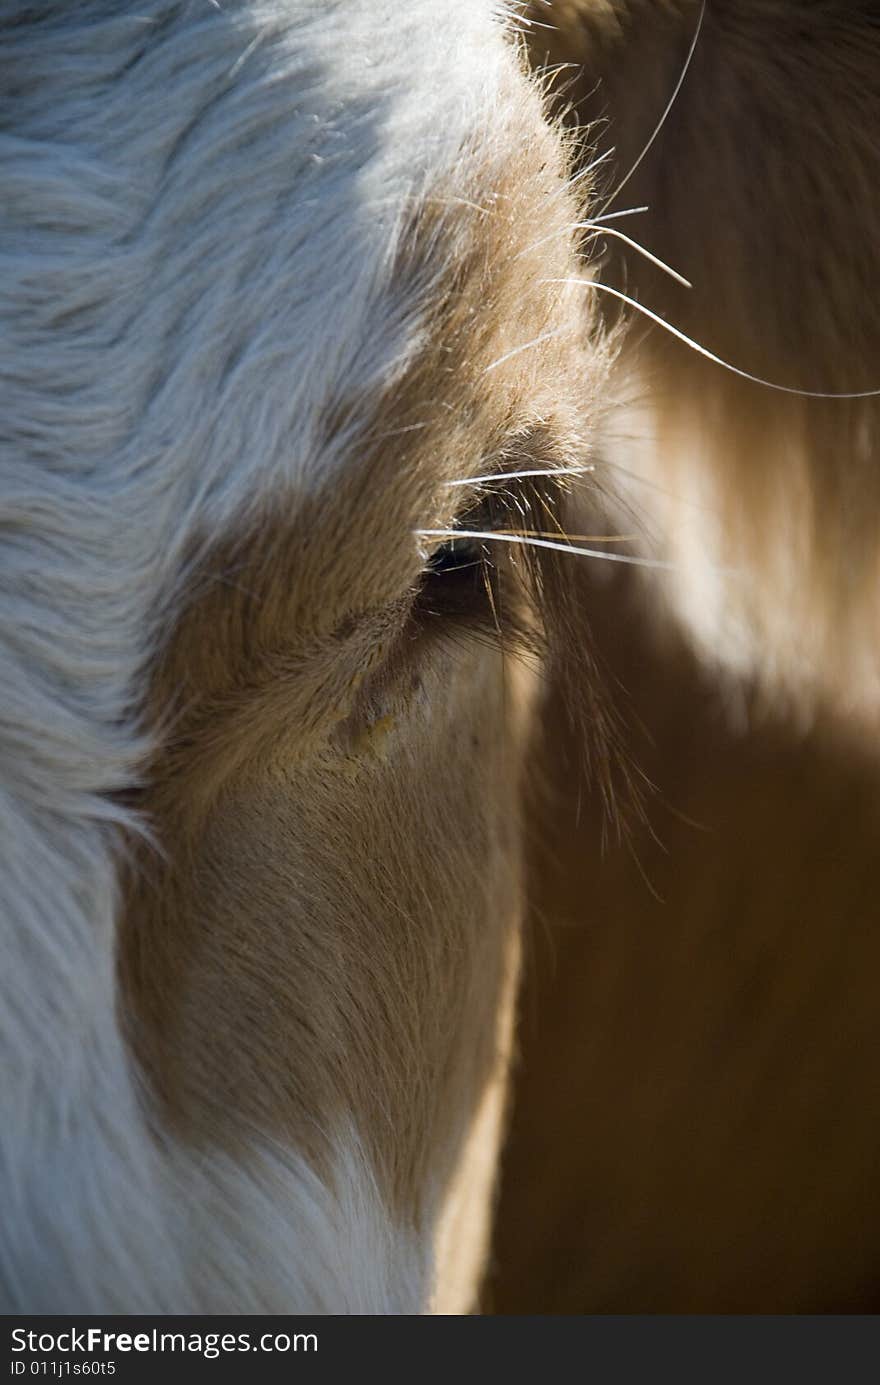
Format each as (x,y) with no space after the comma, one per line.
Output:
(325,940)
(330,937)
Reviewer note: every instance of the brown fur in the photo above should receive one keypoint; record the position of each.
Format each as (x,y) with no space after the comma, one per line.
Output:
(331,932)
(697,1126)
(330,938)
(763,189)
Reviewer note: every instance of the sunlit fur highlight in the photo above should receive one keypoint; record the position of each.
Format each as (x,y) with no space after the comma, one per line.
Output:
(261,302)
(761,188)
(260,859)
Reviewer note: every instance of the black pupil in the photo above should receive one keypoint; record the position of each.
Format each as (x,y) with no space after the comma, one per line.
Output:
(456,554)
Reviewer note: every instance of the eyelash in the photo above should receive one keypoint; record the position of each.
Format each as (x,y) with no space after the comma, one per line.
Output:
(459,583)
(474,588)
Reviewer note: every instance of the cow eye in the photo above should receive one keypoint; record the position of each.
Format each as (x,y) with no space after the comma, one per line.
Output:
(456,555)
(457,583)
(461,584)
(474,584)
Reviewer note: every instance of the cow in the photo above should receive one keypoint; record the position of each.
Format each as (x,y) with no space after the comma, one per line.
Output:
(313,394)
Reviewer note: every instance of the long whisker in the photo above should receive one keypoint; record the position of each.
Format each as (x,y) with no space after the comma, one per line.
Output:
(615,216)
(662,121)
(593,226)
(552,235)
(515,475)
(634,245)
(710,355)
(591,167)
(575,538)
(490,535)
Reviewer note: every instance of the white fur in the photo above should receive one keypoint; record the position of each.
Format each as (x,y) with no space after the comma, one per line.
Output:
(197,228)
(268,1234)
(263,1234)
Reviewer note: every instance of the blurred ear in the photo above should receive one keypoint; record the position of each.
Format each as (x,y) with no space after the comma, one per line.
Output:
(762,188)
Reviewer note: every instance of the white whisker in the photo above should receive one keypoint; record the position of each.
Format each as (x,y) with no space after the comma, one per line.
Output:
(612,216)
(662,121)
(591,167)
(710,355)
(576,550)
(655,259)
(527,345)
(551,235)
(515,475)
(570,538)
(598,230)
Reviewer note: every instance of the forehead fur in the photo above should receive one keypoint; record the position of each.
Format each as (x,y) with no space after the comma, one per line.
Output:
(279,755)
(241,242)
(235,240)
(206,271)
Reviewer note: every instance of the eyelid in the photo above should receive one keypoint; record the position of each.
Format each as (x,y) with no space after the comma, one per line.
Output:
(492,506)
